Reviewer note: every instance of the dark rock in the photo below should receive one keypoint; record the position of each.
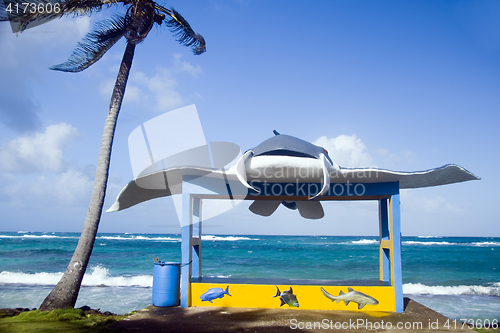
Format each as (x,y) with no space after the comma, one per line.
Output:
(85,308)
(12,312)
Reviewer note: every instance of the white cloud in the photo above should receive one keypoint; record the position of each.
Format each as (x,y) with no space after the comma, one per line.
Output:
(45,189)
(133,94)
(160,88)
(158,91)
(184,66)
(418,203)
(345,150)
(162,85)
(67,188)
(25,59)
(395,158)
(8,186)
(38,152)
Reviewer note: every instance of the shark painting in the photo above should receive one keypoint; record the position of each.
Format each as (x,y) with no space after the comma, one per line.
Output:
(351,296)
(281,159)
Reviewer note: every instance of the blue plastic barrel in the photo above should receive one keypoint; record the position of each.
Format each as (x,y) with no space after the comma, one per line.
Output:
(166,283)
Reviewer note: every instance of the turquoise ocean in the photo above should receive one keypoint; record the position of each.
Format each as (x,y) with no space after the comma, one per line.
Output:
(456,276)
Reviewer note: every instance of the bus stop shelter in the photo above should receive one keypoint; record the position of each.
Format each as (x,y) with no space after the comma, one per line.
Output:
(256,293)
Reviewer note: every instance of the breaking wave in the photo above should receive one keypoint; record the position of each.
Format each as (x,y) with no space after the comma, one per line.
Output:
(364,241)
(99,277)
(486,244)
(225,238)
(160,239)
(428,243)
(421,289)
(25,236)
(455,244)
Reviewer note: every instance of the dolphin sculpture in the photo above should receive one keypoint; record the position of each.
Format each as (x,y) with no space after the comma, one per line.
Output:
(279,159)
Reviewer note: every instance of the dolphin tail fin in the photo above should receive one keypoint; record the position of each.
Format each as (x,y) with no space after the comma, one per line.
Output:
(227,291)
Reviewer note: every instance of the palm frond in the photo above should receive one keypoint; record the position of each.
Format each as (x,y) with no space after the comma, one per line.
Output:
(93,46)
(183,31)
(3,13)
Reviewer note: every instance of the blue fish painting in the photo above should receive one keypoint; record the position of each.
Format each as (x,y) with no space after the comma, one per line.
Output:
(214,293)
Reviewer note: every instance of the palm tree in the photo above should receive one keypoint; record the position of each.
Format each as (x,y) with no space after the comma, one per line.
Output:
(134,25)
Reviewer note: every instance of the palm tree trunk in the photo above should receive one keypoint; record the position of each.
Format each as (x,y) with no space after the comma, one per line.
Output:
(65,293)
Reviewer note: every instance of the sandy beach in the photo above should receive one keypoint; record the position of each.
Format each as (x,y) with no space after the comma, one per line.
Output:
(416,318)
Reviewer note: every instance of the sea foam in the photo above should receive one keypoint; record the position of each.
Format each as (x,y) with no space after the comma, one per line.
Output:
(364,241)
(224,238)
(98,277)
(25,236)
(421,289)
(494,244)
(135,238)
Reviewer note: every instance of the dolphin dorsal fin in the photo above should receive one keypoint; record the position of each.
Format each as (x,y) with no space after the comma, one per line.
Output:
(350,289)
(276,132)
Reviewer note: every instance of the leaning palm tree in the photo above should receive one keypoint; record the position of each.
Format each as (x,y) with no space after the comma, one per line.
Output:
(134,25)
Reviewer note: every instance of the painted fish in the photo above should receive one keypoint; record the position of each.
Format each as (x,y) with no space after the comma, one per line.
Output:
(352,296)
(214,293)
(287,297)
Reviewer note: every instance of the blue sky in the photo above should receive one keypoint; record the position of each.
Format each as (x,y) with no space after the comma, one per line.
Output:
(398,85)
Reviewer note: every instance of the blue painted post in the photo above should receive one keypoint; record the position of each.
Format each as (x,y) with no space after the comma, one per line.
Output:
(385,269)
(196,238)
(186,248)
(397,279)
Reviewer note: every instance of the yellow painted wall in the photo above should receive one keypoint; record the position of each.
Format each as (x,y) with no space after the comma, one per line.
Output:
(308,297)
